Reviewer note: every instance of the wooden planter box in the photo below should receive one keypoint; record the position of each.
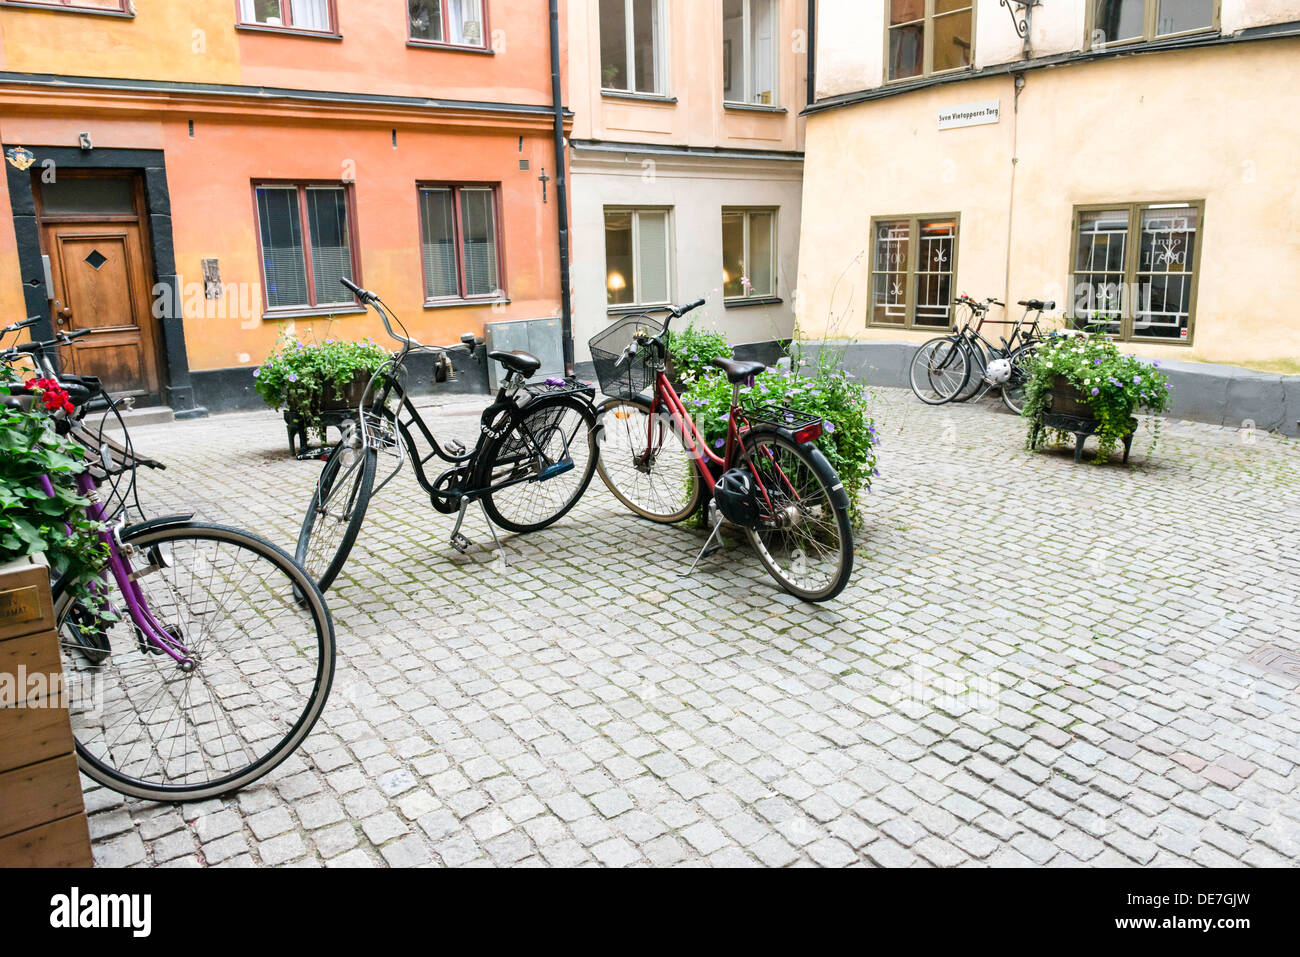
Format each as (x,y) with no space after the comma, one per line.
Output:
(1065,399)
(42,816)
(335,411)
(1070,410)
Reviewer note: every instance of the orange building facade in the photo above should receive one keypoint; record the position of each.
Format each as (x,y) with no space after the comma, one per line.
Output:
(189,180)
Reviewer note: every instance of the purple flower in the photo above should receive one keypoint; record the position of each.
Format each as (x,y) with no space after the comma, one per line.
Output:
(829,426)
(1096,362)
(719,444)
(293,377)
(1137,379)
(1096,391)
(256,373)
(1168,387)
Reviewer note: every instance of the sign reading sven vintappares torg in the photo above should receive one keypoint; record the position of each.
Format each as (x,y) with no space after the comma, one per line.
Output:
(970,114)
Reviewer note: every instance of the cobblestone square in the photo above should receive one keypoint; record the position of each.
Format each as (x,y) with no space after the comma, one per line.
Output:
(1036,663)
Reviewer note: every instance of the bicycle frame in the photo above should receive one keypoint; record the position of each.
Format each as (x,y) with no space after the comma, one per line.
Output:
(136,603)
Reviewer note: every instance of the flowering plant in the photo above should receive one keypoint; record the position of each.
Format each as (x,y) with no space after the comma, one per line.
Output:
(304,376)
(820,386)
(38,516)
(1113,385)
(691,353)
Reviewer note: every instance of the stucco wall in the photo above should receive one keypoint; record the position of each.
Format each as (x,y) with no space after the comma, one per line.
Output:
(696,190)
(1141,129)
(851,42)
(694,114)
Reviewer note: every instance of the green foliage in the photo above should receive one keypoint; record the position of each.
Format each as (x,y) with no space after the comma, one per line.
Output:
(31,521)
(691,353)
(301,377)
(820,386)
(1117,386)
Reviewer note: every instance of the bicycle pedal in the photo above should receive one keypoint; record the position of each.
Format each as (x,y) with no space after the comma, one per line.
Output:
(456,447)
(461,543)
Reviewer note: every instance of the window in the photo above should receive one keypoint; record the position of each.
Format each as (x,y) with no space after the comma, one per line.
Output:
(459,239)
(929,36)
(1135,269)
(451,22)
(1130,21)
(748,253)
(632,46)
(636,257)
(313,16)
(106,6)
(306,275)
(749,52)
(913,263)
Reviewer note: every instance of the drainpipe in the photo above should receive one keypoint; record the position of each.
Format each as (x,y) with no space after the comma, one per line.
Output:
(812,52)
(561,191)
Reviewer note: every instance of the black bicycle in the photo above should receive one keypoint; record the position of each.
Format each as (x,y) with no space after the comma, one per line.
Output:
(535,456)
(965,365)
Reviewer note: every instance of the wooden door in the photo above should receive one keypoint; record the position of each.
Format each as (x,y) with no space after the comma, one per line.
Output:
(101,272)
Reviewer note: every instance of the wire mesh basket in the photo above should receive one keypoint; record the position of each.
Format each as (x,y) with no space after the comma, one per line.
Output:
(622,377)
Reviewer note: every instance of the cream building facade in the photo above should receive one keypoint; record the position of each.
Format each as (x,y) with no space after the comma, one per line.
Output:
(686,158)
(1133,160)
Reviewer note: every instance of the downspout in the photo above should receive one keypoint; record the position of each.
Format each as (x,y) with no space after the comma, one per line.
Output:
(561,191)
(812,52)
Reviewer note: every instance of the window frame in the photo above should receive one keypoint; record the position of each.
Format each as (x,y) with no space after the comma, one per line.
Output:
(124,8)
(927,57)
(669,260)
(629,40)
(1150,20)
(500,294)
(747,212)
(354,249)
(746,101)
(287,5)
(1132,254)
(913,244)
(483,47)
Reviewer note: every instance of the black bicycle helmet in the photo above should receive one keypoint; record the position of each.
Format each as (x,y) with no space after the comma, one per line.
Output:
(737,498)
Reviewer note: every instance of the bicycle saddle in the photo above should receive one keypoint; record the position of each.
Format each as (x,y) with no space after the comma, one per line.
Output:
(738,371)
(518,361)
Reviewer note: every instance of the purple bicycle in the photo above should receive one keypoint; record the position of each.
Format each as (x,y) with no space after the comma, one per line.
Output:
(204,655)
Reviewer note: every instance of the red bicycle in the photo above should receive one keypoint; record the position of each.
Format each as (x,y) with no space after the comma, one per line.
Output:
(769,480)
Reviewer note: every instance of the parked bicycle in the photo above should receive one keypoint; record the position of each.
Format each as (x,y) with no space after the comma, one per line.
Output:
(965,364)
(204,655)
(535,455)
(770,480)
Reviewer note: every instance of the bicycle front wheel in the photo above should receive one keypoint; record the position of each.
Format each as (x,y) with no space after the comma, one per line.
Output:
(644,462)
(541,467)
(805,539)
(939,370)
(337,509)
(258,648)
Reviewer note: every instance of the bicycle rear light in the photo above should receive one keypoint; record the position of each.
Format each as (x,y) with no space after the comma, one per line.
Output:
(809,433)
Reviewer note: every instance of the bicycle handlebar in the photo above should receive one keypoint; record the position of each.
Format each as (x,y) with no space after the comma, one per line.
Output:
(15,326)
(689,307)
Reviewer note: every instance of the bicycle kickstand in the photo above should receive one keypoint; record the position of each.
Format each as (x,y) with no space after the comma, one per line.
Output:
(709,548)
(463,544)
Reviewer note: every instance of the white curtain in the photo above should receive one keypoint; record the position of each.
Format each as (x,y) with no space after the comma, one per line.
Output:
(465,21)
(311,14)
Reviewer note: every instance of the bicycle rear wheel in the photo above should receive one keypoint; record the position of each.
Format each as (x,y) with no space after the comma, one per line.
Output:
(543,465)
(337,509)
(261,665)
(806,540)
(644,462)
(1013,391)
(939,370)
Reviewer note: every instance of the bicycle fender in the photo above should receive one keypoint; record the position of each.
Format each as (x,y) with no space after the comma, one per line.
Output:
(166,521)
(826,471)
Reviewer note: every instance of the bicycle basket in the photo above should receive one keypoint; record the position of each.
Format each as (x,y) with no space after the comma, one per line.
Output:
(620,377)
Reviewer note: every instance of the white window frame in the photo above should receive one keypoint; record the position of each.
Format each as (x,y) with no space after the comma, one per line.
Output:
(638,285)
(629,48)
(747,56)
(747,212)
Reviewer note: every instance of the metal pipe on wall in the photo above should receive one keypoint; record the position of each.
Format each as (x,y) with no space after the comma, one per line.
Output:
(561,191)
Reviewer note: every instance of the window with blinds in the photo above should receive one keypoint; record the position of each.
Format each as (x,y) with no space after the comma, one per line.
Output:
(636,257)
(460,241)
(315,16)
(298,274)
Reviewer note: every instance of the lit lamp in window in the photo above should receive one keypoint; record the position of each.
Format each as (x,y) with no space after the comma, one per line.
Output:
(616,282)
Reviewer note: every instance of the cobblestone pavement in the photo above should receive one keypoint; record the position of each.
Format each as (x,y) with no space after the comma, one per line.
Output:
(1037,663)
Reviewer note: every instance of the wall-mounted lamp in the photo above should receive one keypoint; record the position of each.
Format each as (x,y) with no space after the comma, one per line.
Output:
(1021,17)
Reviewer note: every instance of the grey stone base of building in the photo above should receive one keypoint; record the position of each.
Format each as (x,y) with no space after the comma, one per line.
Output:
(232,390)
(1203,392)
